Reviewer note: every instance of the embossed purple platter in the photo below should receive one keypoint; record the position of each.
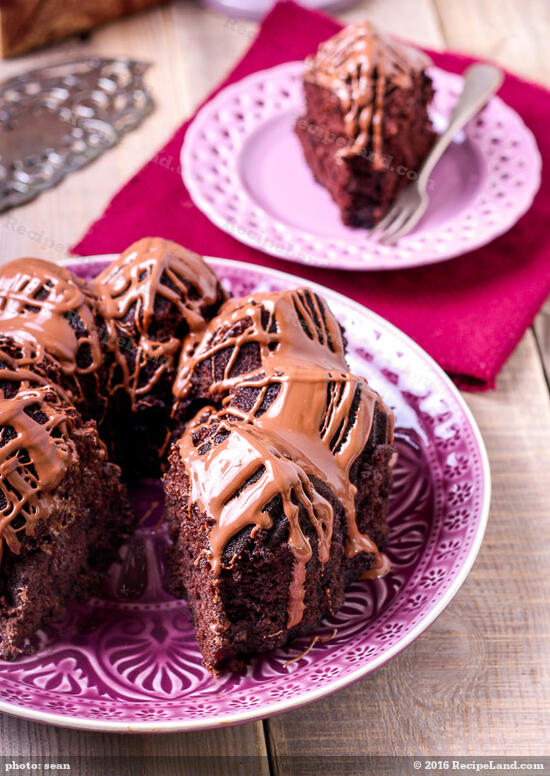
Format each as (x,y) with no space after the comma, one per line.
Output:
(244,168)
(129,661)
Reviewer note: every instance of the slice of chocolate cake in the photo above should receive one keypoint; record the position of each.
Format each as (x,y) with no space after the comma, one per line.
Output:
(63,509)
(366,129)
(277,495)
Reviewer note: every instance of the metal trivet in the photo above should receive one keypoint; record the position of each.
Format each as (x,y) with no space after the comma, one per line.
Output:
(55,119)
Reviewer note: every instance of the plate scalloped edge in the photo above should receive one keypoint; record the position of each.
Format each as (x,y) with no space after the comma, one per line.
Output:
(210,163)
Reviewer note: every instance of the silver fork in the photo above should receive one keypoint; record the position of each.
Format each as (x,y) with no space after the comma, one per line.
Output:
(480,82)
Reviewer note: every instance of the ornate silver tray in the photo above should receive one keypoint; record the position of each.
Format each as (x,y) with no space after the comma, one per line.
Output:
(56,119)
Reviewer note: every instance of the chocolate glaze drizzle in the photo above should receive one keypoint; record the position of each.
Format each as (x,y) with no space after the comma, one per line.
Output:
(360,66)
(300,415)
(81,325)
(36,449)
(128,292)
(50,314)
(50,318)
(297,417)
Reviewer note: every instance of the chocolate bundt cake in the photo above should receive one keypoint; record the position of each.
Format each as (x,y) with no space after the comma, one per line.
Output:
(78,358)
(277,490)
(279,467)
(366,129)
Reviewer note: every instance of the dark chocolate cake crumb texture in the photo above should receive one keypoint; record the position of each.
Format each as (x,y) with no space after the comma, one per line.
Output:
(288,416)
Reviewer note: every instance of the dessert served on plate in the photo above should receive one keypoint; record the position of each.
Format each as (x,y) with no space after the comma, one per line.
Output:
(277,491)
(280,464)
(355,116)
(366,128)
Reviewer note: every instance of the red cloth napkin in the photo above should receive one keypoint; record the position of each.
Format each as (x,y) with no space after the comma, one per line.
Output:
(468,313)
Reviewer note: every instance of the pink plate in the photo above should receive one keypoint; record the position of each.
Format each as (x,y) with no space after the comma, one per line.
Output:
(244,168)
(129,660)
(257,9)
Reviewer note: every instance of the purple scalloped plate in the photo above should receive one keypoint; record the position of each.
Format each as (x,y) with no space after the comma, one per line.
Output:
(129,661)
(244,168)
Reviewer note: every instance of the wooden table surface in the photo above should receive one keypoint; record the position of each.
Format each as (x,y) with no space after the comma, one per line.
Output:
(478,681)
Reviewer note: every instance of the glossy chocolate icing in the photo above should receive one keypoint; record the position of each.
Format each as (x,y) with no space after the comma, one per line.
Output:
(309,418)
(36,449)
(298,417)
(360,65)
(42,307)
(150,270)
(55,325)
(53,314)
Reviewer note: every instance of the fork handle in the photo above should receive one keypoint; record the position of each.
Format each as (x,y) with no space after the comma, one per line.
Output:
(480,82)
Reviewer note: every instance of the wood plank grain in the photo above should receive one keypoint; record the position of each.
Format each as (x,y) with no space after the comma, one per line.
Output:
(417,21)
(541,329)
(478,681)
(511,33)
(224,752)
(190,50)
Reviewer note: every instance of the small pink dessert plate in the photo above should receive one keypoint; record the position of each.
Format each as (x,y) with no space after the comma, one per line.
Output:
(244,168)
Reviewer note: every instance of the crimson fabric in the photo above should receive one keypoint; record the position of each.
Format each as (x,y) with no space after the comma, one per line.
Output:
(468,313)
